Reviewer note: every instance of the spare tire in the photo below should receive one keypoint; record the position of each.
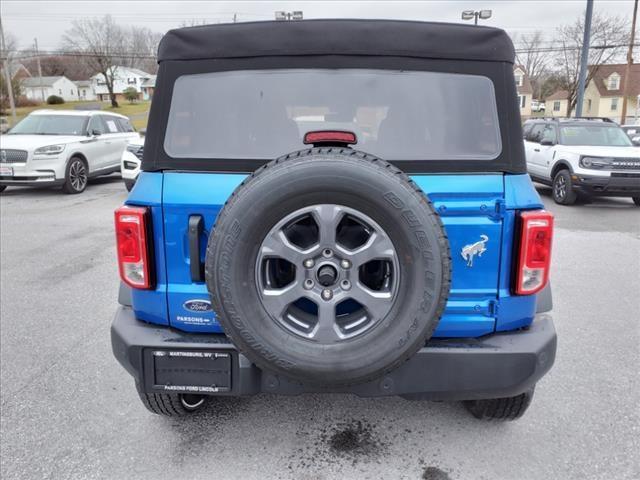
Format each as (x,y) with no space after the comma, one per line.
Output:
(329,266)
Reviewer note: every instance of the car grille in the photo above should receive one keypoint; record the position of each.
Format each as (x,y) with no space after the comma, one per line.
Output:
(626,163)
(13,156)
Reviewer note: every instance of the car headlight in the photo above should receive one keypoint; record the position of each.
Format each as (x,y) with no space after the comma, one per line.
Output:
(49,150)
(597,163)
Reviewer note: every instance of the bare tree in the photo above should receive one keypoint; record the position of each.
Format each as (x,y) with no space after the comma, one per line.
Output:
(142,45)
(73,67)
(530,53)
(102,42)
(8,83)
(609,34)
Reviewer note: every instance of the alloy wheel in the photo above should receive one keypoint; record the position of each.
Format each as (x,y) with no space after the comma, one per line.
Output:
(78,175)
(327,273)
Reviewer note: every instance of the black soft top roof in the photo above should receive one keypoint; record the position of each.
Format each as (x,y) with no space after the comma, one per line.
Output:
(338,37)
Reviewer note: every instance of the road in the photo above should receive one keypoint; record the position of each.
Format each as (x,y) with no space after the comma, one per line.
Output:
(68,410)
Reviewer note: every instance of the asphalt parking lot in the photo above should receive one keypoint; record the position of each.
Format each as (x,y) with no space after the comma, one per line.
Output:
(68,410)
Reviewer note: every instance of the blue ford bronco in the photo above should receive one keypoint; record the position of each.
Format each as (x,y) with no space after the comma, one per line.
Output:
(335,206)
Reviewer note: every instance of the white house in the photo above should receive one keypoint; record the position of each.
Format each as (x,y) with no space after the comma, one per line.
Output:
(148,87)
(124,78)
(85,90)
(41,88)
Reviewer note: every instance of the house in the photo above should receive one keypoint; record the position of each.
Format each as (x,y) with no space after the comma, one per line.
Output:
(41,88)
(124,77)
(604,93)
(148,87)
(19,71)
(556,104)
(85,90)
(525,91)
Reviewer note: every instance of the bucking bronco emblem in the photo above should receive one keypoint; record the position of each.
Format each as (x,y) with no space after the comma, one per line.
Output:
(473,249)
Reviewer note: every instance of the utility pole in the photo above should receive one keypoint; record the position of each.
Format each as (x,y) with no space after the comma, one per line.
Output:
(627,73)
(39,69)
(584,58)
(7,75)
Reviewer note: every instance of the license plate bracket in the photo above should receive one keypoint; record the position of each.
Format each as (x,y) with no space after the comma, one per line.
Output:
(191,371)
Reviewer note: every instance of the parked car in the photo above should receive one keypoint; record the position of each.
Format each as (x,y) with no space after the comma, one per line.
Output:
(64,148)
(4,125)
(633,132)
(130,162)
(582,156)
(411,262)
(537,106)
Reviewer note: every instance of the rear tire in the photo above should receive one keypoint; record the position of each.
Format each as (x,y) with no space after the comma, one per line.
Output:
(505,409)
(171,404)
(76,176)
(636,200)
(562,190)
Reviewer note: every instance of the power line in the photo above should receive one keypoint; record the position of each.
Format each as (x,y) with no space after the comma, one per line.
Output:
(148,56)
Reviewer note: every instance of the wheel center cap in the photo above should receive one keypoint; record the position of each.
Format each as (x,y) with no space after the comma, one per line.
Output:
(327,275)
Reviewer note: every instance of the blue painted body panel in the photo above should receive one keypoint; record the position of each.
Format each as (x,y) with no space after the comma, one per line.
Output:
(151,305)
(469,205)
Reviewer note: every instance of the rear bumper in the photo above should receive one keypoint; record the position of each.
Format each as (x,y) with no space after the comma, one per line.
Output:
(623,186)
(498,365)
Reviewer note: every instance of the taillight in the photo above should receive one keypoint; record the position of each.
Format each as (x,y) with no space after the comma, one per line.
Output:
(330,137)
(133,247)
(536,234)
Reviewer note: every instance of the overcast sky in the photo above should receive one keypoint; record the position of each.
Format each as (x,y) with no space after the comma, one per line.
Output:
(47,20)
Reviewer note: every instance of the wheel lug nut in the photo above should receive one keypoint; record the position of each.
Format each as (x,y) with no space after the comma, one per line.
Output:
(308,284)
(308,263)
(346,264)
(327,294)
(327,252)
(345,284)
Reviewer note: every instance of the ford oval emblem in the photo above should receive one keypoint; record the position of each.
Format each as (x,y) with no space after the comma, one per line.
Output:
(197,305)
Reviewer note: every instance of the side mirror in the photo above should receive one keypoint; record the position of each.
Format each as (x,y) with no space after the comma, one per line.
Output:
(95,133)
(636,141)
(547,142)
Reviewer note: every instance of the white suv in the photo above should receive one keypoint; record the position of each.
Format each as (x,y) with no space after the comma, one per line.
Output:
(579,156)
(63,147)
(131,161)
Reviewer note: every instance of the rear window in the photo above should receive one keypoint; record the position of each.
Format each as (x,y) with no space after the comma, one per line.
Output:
(397,115)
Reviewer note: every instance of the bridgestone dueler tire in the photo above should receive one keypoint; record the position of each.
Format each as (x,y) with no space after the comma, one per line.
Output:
(509,408)
(352,179)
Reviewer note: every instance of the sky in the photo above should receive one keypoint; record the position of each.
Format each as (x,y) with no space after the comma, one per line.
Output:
(47,20)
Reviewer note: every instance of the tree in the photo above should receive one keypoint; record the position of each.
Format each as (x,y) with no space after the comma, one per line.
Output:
(142,47)
(130,94)
(531,55)
(4,94)
(9,46)
(102,42)
(610,32)
(73,67)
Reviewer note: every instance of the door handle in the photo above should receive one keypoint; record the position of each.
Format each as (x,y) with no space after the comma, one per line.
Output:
(195,231)
(536,149)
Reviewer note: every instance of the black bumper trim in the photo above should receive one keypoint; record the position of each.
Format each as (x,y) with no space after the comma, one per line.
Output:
(614,186)
(498,365)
